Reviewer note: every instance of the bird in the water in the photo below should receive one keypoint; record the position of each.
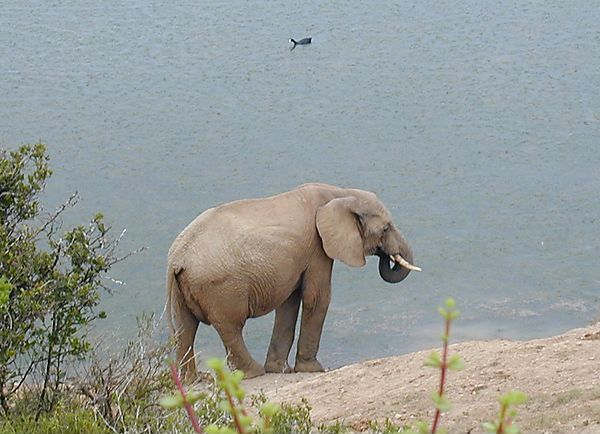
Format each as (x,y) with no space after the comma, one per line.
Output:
(304,41)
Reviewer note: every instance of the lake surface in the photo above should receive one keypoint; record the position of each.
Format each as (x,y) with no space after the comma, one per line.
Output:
(477,123)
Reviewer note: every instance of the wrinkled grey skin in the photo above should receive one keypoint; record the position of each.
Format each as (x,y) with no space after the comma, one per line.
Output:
(246,258)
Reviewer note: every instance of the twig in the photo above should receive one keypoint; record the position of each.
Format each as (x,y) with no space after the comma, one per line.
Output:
(444,369)
(53,218)
(504,421)
(234,410)
(188,406)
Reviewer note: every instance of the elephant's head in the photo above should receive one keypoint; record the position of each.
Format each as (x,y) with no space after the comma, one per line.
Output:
(358,224)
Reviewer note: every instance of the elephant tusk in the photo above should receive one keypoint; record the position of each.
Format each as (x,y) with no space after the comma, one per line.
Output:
(400,260)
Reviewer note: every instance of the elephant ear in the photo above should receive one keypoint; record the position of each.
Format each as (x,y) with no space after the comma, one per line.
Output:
(338,229)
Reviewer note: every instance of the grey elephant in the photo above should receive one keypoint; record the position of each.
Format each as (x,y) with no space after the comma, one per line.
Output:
(247,258)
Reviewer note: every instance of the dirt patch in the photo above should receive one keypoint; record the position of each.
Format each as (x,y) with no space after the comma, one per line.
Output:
(560,374)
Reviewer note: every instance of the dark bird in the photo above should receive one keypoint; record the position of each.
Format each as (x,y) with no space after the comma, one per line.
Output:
(304,41)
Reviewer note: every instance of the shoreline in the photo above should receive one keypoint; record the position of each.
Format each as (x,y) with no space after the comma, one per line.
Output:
(560,374)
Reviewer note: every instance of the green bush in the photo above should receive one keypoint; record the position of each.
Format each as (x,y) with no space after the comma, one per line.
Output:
(290,419)
(49,281)
(123,388)
(71,421)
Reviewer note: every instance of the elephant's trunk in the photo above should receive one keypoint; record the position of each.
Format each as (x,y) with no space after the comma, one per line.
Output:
(394,274)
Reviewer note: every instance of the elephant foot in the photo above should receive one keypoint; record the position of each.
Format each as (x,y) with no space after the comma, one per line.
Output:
(277,367)
(255,370)
(190,376)
(308,366)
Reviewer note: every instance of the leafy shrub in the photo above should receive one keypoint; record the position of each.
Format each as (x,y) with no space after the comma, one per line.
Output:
(231,399)
(503,425)
(290,419)
(48,282)
(122,388)
(72,421)
(335,428)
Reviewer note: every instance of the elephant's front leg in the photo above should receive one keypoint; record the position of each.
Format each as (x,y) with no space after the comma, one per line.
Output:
(316,295)
(284,329)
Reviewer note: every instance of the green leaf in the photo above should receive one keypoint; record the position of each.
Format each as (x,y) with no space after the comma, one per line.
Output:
(240,394)
(5,290)
(212,429)
(514,397)
(269,409)
(170,402)
(441,402)
(511,429)
(434,360)
(453,314)
(455,363)
(224,405)
(245,420)
(215,364)
(237,376)
(422,427)
(450,303)
(489,427)
(193,396)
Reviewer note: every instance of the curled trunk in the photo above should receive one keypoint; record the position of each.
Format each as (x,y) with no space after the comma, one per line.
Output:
(394,274)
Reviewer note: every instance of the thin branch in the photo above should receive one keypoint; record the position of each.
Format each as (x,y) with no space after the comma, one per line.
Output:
(70,202)
(234,410)
(31,365)
(188,407)
(108,425)
(444,369)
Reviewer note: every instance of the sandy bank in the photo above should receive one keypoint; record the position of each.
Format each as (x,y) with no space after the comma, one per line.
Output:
(561,375)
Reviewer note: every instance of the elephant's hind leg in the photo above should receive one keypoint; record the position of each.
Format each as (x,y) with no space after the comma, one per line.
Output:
(315,301)
(238,354)
(186,326)
(284,329)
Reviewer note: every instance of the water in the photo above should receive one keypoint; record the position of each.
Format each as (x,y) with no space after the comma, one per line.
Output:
(477,123)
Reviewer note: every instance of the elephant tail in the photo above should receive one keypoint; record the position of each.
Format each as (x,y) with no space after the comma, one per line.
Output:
(173,300)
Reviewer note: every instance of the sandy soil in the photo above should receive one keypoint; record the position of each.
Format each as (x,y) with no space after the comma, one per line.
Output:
(560,374)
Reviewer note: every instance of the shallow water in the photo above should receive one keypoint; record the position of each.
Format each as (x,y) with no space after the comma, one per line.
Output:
(477,123)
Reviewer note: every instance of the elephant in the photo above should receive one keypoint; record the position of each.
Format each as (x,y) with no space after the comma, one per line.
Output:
(247,258)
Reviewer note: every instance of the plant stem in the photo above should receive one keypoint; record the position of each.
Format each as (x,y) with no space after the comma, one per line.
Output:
(234,411)
(188,406)
(502,416)
(49,356)
(3,403)
(444,369)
